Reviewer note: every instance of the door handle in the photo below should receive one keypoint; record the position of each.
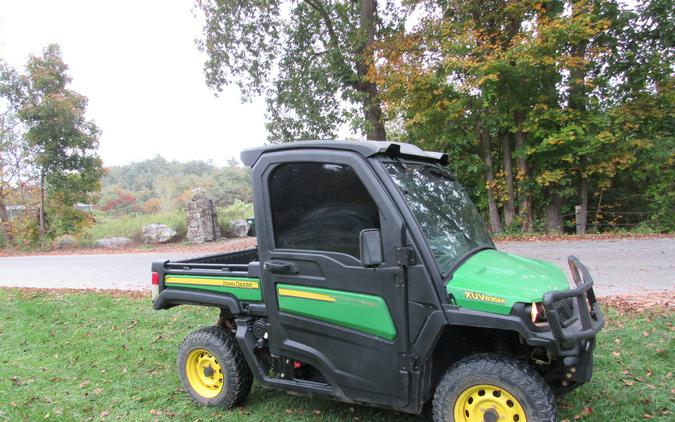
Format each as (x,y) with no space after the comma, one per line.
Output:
(280,267)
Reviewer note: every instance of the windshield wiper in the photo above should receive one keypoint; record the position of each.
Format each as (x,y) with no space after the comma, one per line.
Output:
(438,172)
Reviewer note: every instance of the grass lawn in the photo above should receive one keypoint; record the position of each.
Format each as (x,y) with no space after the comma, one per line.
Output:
(94,356)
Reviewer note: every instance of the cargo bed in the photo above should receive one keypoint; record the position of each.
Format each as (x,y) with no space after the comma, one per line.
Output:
(230,280)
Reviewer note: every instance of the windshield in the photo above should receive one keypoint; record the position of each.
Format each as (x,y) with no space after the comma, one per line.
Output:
(449,220)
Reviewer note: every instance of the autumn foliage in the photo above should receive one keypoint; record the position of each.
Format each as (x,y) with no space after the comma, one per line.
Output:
(542,105)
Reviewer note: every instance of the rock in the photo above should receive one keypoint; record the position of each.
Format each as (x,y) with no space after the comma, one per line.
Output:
(238,228)
(113,242)
(198,194)
(65,242)
(158,233)
(202,219)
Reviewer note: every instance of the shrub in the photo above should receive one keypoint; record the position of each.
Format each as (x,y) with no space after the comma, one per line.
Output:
(121,202)
(152,205)
(131,226)
(3,239)
(26,231)
(237,211)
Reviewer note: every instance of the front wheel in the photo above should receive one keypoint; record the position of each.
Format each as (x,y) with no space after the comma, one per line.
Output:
(493,388)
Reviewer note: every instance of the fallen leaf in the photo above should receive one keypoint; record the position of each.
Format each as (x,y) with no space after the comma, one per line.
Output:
(628,382)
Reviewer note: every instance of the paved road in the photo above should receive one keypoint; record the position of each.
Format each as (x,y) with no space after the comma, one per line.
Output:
(618,266)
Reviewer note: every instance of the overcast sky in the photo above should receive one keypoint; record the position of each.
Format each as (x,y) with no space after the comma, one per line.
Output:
(137,63)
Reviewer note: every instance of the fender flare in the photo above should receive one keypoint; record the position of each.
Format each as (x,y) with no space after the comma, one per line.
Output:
(169,298)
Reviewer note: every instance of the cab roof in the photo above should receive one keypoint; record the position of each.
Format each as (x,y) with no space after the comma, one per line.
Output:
(249,156)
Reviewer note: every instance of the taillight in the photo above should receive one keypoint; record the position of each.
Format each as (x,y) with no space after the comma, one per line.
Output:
(155,278)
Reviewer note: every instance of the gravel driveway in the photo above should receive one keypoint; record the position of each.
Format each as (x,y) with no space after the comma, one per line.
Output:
(618,266)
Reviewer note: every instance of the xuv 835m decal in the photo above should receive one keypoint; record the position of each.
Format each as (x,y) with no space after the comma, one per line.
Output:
(360,312)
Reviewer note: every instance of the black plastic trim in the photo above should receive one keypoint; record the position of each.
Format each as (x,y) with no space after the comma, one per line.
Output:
(587,306)
(169,298)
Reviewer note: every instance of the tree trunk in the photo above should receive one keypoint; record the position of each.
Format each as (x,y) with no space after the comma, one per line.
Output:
(372,112)
(553,217)
(583,211)
(42,205)
(372,109)
(577,103)
(524,195)
(510,206)
(4,222)
(495,225)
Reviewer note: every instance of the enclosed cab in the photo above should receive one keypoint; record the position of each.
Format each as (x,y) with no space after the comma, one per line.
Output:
(374,281)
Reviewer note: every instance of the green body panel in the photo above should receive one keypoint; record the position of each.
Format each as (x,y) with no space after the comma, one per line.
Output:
(225,284)
(493,281)
(361,312)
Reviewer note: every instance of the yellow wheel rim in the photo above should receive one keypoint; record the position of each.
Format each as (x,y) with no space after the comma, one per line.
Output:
(204,373)
(487,403)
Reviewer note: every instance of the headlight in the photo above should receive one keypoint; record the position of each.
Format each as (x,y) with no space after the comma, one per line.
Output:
(537,313)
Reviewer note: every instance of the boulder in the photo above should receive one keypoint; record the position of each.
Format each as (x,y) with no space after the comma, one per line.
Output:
(113,242)
(238,228)
(158,233)
(65,242)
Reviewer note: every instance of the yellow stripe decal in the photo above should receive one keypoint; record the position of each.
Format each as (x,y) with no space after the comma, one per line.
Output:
(306,295)
(220,282)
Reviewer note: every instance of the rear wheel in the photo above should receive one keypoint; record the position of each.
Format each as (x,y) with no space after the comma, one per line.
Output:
(212,369)
(492,388)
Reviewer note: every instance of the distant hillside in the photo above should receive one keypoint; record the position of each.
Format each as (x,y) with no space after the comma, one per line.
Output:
(159,185)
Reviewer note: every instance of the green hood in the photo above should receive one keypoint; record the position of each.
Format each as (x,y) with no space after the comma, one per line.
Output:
(492,281)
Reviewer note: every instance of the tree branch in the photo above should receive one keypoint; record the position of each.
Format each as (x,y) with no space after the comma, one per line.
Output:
(349,80)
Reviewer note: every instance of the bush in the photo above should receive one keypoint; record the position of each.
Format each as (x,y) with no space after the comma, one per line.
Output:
(131,226)
(120,203)
(26,231)
(3,239)
(152,205)
(237,211)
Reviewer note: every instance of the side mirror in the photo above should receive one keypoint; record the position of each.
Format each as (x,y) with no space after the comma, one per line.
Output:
(370,244)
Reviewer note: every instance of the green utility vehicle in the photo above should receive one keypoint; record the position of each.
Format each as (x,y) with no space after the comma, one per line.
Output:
(375,282)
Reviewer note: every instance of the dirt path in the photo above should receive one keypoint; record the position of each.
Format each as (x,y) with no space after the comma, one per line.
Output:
(621,266)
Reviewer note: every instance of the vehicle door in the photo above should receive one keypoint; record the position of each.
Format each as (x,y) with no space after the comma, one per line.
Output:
(325,307)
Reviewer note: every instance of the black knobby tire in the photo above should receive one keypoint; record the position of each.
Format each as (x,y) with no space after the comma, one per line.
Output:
(238,378)
(509,374)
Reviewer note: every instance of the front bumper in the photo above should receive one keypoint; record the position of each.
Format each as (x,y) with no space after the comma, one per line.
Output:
(587,320)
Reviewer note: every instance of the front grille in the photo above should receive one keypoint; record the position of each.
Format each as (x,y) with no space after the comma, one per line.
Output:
(565,308)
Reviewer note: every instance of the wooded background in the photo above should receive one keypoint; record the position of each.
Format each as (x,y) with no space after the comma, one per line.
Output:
(541,105)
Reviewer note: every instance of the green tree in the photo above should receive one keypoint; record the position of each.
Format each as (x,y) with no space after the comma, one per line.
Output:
(62,142)
(310,58)
(14,167)
(576,92)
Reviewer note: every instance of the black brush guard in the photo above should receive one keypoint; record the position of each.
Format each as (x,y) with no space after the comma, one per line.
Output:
(590,315)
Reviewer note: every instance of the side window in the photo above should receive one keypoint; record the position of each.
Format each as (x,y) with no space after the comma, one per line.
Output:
(321,207)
